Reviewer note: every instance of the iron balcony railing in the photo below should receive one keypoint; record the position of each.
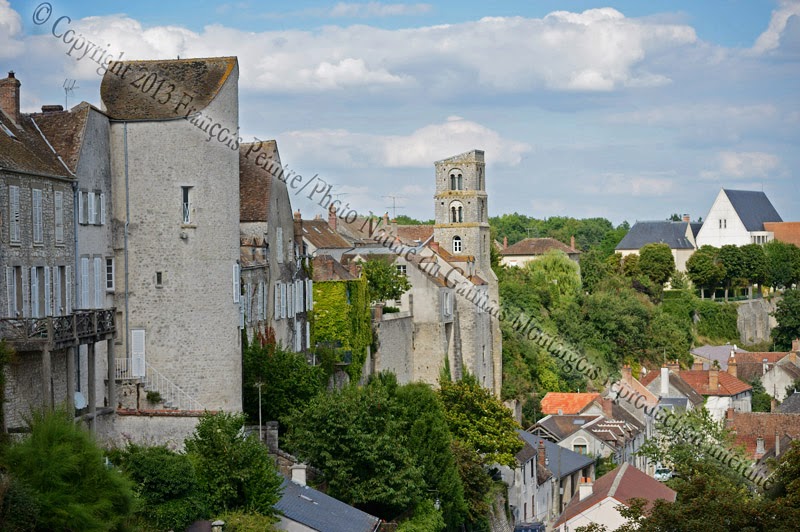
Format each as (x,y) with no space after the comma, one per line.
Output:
(58,330)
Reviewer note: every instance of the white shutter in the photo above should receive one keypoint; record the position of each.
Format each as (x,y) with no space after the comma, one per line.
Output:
(290,300)
(102,209)
(236,286)
(58,201)
(241,316)
(34,294)
(308,335)
(11,292)
(98,282)
(80,207)
(68,291)
(276,296)
(84,303)
(36,204)
(57,291)
(279,242)
(48,307)
(13,193)
(298,297)
(25,308)
(92,210)
(260,300)
(309,294)
(283,300)
(298,339)
(138,352)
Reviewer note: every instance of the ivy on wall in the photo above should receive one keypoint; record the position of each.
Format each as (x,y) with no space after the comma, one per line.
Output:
(342,315)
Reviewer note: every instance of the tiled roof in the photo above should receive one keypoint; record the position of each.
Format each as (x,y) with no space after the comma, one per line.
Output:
(677,382)
(64,130)
(27,150)
(322,512)
(200,79)
(790,405)
(728,384)
(411,234)
(566,403)
(255,181)
(326,268)
(536,246)
(562,426)
(753,208)
(649,232)
(623,483)
(750,366)
(527,452)
(321,236)
(748,427)
(788,232)
(562,461)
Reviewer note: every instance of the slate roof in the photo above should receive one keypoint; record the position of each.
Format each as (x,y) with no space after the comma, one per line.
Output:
(321,236)
(728,384)
(321,512)
(566,403)
(748,427)
(790,405)
(562,462)
(537,246)
(562,426)
(720,353)
(27,151)
(623,483)
(199,78)
(648,232)
(527,452)
(753,208)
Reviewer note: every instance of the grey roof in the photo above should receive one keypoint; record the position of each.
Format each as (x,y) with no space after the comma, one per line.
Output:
(753,208)
(671,233)
(720,353)
(696,228)
(790,405)
(677,403)
(563,462)
(321,512)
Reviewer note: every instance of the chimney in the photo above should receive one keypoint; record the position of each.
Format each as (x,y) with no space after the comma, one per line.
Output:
(713,380)
(732,365)
(52,109)
(687,218)
(626,374)
(729,413)
(697,365)
(299,474)
(572,242)
(271,436)
(505,242)
(792,356)
(585,488)
(674,366)
(664,381)
(773,405)
(607,404)
(297,215)
(542,454)
(764,366)
(386,220)
(9,96)
(760,447)
(332,218)
(318,217)
(796,345)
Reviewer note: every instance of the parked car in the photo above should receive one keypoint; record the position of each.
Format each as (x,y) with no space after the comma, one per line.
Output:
(663,474)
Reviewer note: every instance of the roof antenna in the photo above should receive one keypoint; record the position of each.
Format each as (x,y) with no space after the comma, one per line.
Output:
(69,86)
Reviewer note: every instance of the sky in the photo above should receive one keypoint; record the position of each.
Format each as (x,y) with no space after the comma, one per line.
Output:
(627,110)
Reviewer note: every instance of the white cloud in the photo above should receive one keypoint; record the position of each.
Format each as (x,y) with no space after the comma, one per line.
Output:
(377,9)
(10,30)
(632,185)
(743,165)
(771,37)
(418,149)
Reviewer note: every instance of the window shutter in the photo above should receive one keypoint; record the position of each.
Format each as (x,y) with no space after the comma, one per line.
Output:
(58,201)
(11,292)
(84,303)
(98,282)
(247,304)
(236,286)
(92,209)
(68,291)
(260,300)
(102,209)
(25,308)
(138,352)
(241,316)
(57,311)
(80,207)
(34,294)
(290,300)
(283,300)
(277,301)
(308,335)
(309,294)
(13,193)
(36,200)
(298,297)
(48,307)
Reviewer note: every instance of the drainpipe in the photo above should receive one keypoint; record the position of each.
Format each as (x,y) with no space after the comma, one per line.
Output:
(125,245)
(76,226)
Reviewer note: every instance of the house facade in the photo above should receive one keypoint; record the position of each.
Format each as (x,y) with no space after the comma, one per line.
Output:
(679,236)
(737,217)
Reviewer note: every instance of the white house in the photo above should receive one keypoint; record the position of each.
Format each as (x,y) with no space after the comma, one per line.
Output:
(679,236)
(737,217)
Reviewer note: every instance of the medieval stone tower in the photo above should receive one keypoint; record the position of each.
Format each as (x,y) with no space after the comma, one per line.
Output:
(462,219)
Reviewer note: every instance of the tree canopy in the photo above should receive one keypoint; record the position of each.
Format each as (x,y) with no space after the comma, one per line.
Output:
(384,281)
(656,262)
(787,314)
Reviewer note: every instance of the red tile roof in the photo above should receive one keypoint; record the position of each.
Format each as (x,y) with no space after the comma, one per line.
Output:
(567,403)
(728,384)
(623,483)
(748,427)
(537,246)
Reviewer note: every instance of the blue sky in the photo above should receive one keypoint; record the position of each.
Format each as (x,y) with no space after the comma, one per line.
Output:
(626,110)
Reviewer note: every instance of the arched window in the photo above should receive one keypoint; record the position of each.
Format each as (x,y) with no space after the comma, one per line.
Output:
(456,244)
(456,212)
(456,180)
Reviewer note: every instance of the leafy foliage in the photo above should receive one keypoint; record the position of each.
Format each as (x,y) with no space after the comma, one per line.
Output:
(762,401)
(656,262)
(783,264)
(234,471)
(705,269)
(384,281)
(589,232)
(61,473)
(787,314)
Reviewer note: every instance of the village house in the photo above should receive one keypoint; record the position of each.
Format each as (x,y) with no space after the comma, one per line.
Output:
(530,485)
(679,236)
(529,249)
(737,217)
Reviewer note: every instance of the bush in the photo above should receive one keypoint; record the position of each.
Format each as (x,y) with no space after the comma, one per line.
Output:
(19,510)
(242,522)
(391,310)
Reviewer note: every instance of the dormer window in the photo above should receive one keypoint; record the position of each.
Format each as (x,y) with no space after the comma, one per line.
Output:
(456,180)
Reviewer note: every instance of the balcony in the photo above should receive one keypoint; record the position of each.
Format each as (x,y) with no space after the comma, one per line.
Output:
(58,332)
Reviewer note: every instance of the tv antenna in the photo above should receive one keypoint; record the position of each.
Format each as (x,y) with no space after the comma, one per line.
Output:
(393,206)
(69,86)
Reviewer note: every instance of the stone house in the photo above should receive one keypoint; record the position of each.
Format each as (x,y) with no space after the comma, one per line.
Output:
(530,485)
(782,374)
(529,249)
(679,236)
(737,217)
(320,238)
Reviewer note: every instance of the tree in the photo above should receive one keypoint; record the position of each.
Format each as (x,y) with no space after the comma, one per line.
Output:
(656,262)
(476,418)
(754,265)
(705,269)
(63,472)
(234,470)
(783,264)
(732,260)
(593,269)
(762,401)
(384,281)
(787,314)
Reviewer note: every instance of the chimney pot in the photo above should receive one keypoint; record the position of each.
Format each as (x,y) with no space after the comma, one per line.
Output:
(9,97)
(796,345)
(52,108)
(664,381)
(542,454)
(713,379)
(687,218)
(572,242)
(332,217)
(505,242)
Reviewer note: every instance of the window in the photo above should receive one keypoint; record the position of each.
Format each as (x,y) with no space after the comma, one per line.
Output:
(98,282)
(186,205)
(58,207)
(401,268)
(11,291)
(13,200)
(48,298)
(159,280)
(36,207)
(35,295)
(309,295)
(456,244)
(110,274)
(579,448)
(456,212)
(58,297)
(456,180)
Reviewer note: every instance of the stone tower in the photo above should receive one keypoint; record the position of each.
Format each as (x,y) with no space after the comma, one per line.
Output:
(462,220)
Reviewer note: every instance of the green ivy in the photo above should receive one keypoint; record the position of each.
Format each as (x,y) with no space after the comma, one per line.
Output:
(342,315)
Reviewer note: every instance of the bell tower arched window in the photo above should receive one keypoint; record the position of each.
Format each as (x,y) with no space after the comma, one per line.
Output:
(456,244)
(456,212)
(456,180)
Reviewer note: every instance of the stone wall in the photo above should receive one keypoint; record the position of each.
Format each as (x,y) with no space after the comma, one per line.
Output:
(24,386)
(395,333)
(168,429)
(754,321)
